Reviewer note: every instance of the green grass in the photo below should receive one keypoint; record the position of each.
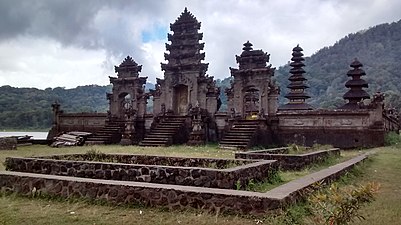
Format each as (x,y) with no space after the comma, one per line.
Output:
(283,177)
(384,168)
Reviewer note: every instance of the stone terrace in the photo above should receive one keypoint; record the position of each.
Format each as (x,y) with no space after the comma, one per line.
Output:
(170,196)
(152,169)
(289,161)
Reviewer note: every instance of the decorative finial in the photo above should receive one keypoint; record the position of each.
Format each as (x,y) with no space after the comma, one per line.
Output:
(248,46)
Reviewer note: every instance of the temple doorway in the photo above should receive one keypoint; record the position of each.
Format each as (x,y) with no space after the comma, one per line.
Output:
(180,100)
(126,103)
(251,102)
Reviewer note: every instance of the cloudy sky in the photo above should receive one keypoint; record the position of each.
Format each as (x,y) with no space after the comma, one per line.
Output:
(67,43)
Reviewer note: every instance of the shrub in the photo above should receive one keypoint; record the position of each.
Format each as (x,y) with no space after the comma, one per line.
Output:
(336,205)
(392,138)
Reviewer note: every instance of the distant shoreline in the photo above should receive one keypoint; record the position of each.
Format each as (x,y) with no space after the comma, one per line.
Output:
(39,135)
(25,130)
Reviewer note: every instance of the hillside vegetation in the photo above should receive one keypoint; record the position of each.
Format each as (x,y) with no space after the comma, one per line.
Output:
(30,108)
(378,48)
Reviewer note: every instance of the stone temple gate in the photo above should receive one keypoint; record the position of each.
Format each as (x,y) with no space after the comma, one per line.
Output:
(127,94)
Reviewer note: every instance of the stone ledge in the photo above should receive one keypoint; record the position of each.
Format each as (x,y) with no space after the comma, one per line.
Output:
(289,161)
(292,190)
(256,170)
(171,196)
(8,143)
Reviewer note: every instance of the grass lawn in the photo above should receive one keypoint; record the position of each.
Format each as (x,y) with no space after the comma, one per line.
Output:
(385,168)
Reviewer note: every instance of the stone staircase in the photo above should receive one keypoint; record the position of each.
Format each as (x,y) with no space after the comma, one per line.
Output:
(163,134)
(109,134)
(240,135)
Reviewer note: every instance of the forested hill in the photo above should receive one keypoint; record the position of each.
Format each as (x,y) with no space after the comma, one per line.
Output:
(30,108)
(377,48)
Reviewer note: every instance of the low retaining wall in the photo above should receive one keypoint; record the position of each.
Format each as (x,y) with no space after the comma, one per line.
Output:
(170,196)
(8,143)
(288,161)
(179,175)
(152,160)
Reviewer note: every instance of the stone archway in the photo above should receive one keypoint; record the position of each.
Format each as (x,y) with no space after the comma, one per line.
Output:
(180,100)
(251,101)
(125,102)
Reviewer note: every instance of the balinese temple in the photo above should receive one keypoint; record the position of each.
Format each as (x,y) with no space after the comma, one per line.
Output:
(297,95)
(356,94)
(186,104)
(185,82)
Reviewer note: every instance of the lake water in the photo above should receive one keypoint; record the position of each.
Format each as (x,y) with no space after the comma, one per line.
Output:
(35,135)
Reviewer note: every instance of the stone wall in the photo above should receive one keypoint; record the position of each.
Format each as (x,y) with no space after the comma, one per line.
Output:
(288,161)
(188,176)
(87,122)
(169,196)
(82,121)
(8,143)
(213,200)
(340,128)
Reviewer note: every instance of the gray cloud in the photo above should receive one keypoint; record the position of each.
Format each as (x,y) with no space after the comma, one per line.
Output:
(112,29)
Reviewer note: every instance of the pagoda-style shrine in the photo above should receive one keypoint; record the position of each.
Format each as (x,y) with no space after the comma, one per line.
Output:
(297,95)
(252,94)
(356,94)
(185,82)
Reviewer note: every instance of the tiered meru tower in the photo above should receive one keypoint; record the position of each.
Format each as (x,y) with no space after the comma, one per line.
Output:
(356,94)
(185,82)
(297,95)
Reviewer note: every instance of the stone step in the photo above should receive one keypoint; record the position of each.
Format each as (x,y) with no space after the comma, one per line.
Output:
(246,124)
(165,128)
(241,131)
(97,139)
(173,126)
(232,147)
(244,128)
(166,138)
(236,139)
(155,135)
(234,142)
(95,142)
(161,134)
(154,143)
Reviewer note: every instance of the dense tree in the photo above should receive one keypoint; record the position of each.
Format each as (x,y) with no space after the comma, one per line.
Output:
(379,50)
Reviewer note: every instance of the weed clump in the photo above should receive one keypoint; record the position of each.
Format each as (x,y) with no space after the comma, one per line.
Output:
(392,138)
(336,205)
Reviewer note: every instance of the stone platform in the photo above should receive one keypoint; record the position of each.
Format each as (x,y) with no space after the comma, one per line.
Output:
(204,172)
(289,161)
(170,196)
